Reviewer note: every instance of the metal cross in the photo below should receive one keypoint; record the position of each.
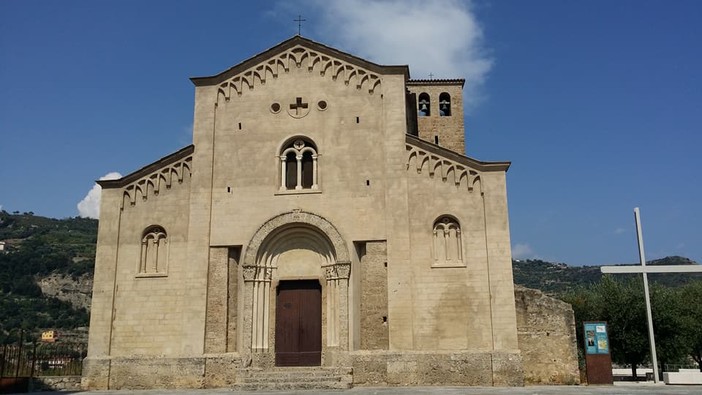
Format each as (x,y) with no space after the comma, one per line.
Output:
(298,105)
(643,269)
(431,76)
(299,21)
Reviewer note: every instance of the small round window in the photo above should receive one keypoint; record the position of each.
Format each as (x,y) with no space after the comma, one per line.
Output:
(275,108)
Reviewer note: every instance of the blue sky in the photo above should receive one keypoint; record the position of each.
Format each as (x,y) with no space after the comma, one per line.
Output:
(598,104)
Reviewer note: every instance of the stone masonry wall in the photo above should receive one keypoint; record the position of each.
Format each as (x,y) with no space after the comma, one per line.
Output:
(395,368)
(374,297)
(56,383)
(546,331)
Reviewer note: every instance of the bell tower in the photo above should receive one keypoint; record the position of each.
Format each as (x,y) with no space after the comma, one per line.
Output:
(440,112)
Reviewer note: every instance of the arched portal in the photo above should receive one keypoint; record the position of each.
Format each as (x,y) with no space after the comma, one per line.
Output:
(296,248)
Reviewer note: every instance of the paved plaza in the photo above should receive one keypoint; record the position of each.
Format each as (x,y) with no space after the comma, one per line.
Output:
(618,389)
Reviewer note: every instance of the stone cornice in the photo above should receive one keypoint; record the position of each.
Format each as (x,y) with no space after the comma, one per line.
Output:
(437,82)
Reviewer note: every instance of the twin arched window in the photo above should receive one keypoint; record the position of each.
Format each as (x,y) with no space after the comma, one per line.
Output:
(154,251)
(298,166)
(447,241)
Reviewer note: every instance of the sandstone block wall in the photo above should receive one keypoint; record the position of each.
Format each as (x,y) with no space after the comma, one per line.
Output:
(56,383)
(435,368)
(374,297)
(547,340)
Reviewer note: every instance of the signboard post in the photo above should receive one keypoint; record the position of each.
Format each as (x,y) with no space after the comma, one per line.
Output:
(598,360)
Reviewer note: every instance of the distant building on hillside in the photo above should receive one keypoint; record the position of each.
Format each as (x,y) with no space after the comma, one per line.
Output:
(49,336)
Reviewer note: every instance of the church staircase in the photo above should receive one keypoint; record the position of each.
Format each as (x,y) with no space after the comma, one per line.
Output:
(295,378)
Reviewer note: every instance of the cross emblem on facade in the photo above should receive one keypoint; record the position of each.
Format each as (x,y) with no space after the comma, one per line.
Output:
(298,109)
(298,106)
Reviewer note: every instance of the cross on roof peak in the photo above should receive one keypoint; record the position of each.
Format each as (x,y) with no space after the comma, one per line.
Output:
(299,21)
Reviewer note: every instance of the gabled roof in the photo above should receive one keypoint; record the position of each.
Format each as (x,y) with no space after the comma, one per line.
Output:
(290,43)
(456,157)
(148,169)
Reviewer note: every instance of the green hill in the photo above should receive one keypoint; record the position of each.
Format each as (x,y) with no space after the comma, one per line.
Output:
(556,278)
(36,247)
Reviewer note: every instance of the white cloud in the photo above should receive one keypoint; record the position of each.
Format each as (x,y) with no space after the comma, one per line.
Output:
(522,251)
(89,207)
(441,37)
(619,231)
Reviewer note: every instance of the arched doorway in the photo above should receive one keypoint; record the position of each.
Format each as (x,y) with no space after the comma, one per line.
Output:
(298,323)
(296,270)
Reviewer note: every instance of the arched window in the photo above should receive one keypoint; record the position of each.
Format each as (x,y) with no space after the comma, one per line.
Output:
(447,241)
(298,164)
(445,104)
(154,251)
(424,103)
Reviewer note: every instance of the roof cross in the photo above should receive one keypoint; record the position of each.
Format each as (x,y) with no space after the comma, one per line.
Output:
(299,21)
(431,76)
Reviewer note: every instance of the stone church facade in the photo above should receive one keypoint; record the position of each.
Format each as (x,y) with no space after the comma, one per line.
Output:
(325,216)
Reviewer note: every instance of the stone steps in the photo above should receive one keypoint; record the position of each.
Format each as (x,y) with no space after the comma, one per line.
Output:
(295,378)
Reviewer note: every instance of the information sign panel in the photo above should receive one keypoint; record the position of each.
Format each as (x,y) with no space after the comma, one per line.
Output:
(596,340)
(598,360)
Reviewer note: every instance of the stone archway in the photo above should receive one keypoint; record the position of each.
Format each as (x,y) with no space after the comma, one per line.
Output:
(297,217)
(297,234)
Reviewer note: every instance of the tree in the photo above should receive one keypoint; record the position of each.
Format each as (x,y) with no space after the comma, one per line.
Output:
(672,344)
(691,310)
(621,304)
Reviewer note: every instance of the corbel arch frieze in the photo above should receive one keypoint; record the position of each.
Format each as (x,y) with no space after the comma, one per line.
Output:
(156,182)
(442,168)
(299,57)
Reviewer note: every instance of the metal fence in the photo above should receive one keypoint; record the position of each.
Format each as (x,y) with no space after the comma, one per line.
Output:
(41,359)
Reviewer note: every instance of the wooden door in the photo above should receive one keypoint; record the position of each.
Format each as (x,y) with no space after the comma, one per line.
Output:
(298,323)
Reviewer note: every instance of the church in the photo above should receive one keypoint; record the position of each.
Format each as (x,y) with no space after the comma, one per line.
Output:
(324,227)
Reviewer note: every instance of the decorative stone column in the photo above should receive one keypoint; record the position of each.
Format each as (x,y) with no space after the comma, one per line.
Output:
(343,270)
(249,274)
(337,278)
(261,303)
